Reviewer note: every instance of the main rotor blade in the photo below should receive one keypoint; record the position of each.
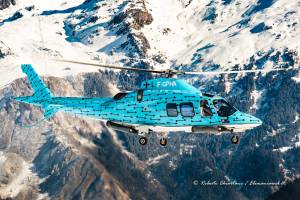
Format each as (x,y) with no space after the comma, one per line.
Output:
(173,72)
(112,66)
(236,71)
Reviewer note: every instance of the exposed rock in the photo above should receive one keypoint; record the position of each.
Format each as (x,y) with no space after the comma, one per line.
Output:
(73,157)
(290,191)
(6,3)
(117,19)
(141,43)
(140,18)
(4,50)
(10,167)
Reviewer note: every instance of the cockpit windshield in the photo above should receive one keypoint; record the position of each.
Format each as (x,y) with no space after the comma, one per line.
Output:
(223,108)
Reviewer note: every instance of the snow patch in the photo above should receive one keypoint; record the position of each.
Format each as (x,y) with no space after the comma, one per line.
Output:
(297,78)
(283,149)
(228,86)
(40,39)
(172,165)
(297,144)
(186,149)
(256,96)
(155,160)
(23,179)
(2,158)
(296,118)
(271,134)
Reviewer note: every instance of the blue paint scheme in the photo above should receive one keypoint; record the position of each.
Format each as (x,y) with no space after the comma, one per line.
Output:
(149,110)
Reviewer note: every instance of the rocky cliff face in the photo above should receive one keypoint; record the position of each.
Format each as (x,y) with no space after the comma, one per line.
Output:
(129,17)
(80,158)
(6,3)
(290,191)
(72,157)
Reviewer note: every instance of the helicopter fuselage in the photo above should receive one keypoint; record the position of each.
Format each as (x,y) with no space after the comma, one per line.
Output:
(152,111)
(160,105)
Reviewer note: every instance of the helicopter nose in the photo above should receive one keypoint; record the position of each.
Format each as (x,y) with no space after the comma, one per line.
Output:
(253,120)
(249,119)
(257,121)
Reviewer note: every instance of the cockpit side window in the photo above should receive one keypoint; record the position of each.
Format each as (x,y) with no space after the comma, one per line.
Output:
(205,109)
(172,110)
(223,108)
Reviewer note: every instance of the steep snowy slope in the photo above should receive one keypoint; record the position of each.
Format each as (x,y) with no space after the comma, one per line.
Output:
(81,158)
(30,33)
(199,33)
(226,33)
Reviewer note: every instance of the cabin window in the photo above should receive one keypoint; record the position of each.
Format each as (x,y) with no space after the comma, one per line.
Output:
(187,109)
(223,108)
(172,110)
(205,109)
(139,96)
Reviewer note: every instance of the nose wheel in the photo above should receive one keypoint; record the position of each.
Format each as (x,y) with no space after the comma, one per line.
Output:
(235,139)
(143,141)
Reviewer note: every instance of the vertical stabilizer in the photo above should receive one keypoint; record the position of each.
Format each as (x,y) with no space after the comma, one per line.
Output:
(41,96)
(40,89)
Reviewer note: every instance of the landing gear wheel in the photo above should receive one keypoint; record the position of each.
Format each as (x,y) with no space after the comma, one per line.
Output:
(143,140)
(235,139)
(163,141)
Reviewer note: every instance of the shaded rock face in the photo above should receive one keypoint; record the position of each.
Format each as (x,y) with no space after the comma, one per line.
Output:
(140,42)
(6,3)
(130,21)
(127,22)
(290,191)
(4,50)
(74,158)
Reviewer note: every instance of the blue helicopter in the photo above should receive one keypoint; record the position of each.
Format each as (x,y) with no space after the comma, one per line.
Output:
(160,105)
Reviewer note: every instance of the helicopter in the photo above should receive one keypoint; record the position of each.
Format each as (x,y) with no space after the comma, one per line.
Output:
(160,105)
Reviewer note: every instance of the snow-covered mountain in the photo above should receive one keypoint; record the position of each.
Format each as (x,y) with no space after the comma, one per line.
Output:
(81,159)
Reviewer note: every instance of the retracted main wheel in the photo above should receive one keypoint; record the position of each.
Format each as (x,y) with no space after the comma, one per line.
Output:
(235,139)
(163,141)
(143,140)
